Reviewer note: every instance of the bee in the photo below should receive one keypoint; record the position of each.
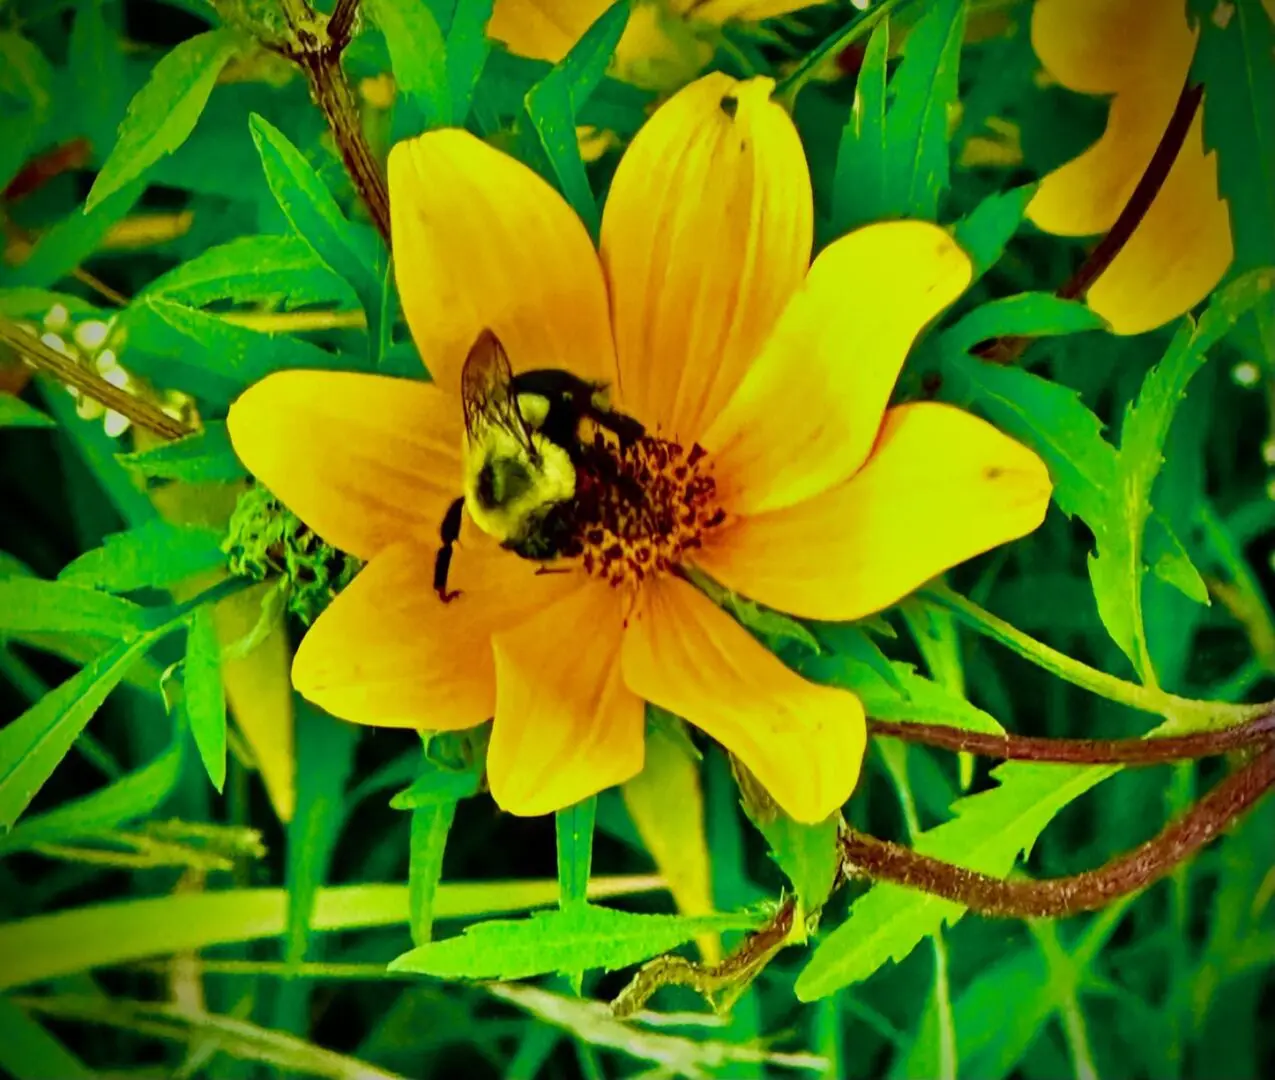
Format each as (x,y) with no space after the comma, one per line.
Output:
(523,449)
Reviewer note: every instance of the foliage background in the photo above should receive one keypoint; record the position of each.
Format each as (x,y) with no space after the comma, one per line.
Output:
(227,242)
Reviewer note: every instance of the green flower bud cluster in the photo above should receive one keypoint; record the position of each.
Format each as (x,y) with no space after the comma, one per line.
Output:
(267,540)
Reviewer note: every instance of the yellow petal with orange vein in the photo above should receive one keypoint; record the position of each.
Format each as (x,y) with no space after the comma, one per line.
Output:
(803,742)
(808,411)
(481,241)
(364,460)
(940,487)
(566,726)
(706,236)
(389,652)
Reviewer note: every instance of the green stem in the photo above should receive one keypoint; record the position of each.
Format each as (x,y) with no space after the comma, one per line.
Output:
(1188,712)
(791,84)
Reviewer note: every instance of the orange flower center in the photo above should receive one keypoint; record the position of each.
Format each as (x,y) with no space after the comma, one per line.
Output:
(640,507)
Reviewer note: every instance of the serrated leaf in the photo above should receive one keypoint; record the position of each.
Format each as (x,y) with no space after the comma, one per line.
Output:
(774,627)
(207,455)
(16,413)
(132,796)
(204,698)
(807,854)
(279,270)
(989,832)
(566,940)
(554,103)
(984,233)
(155,554)
(30,605)
(923,90)
(306,202)
(32,745)
(899,693)
(859,184)
(164,112)
(418,57)
(1116,570)
(208,356)
(1035,314)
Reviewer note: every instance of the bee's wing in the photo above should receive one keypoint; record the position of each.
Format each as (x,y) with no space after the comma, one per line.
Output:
(487,391)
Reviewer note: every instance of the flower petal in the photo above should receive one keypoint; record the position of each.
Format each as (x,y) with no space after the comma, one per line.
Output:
(566,727)
(706,235)
(481,241)
(940,487)
(808,411)
(717,12)
(543,29)
(389,652)
(1183,245)
(364,460)
(1140,50)
(803,742)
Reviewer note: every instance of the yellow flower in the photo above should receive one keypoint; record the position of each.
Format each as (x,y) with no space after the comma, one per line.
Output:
(762,382)
(663,44)
(1139,52)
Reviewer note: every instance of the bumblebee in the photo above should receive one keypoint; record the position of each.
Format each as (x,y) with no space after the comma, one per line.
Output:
(523,449)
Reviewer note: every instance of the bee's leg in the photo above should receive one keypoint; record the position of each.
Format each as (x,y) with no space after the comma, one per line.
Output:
(449,533)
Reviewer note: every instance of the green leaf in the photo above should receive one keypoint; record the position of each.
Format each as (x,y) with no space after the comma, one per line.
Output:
(985,232)
(431,824)
(438,785)
(898,692)
(570,939)
(807,854)
(35,304)
(859,185)
(32,745)
(924,89)
(26,87)
(155,554)
(988,833)
(134,795)
(280,271)
(418,57)
(164,112)
(206,455)
(29,605)
(774,627)
(45,947)
(467,50)
(73,239)
(554,103)
(29,1052)
(574,830)
(1117,569)
(204,699)
(16,413)
(1171,563)
(1233,61)
(1036,314)
(208,356)
(306,202)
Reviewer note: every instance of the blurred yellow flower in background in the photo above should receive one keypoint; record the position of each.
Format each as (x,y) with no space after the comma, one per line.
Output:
(665,44)
(1139,52)
(771,460)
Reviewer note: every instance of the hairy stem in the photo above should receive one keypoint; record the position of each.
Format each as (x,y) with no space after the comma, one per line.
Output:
(1008,349)
(1150,751)
(45,358)
(315,45)
(1060,897)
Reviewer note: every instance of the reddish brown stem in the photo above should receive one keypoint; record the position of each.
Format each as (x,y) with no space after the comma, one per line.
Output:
(1153,751)
(881,860)
(1008,349)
